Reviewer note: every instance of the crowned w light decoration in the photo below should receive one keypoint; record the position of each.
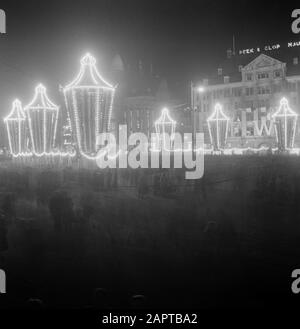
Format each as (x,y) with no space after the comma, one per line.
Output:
(285,120)
(16,129)
(89,101)
(218,128)
(42,117)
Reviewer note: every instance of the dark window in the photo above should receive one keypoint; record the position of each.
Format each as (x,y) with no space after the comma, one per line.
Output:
(263,75)
(277,74)
(249,76)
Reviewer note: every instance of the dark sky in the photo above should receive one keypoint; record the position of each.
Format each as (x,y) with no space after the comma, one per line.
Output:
(183,39)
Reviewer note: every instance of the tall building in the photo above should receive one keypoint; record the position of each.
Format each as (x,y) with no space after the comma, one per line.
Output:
(250,93)
(144,108)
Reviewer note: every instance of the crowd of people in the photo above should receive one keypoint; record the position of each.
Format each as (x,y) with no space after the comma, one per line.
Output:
(147,238)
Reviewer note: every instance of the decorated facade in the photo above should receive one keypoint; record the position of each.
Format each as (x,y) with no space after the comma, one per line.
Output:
(250,94)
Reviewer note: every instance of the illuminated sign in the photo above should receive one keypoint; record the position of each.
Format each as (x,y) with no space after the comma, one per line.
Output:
(268,48)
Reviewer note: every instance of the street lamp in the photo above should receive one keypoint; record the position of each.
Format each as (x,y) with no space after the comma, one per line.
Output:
(199,89)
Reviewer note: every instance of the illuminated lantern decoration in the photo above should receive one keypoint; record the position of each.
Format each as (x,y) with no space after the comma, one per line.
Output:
(42,117)
(16,129)
(285,120)
(165,125)
(218,128)
(89,101)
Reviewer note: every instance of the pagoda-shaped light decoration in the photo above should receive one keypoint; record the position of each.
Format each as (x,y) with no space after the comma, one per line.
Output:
(285,120)
(42,116)
(89,101)
(165,126)
(218,128)
(16,128)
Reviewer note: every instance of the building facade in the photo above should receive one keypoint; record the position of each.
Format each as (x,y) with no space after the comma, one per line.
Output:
(249,95)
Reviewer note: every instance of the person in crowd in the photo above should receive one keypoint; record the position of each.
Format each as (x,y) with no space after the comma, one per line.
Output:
(142,186)
(3,237)
(61,209)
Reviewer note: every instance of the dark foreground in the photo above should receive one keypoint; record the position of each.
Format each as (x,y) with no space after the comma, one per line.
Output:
(230,240)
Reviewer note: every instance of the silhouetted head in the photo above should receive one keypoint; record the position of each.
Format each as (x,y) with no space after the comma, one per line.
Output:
(211,226)
(138,302)
(100,299)
(35,304)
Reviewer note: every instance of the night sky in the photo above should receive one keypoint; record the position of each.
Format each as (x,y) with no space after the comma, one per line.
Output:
(182,39)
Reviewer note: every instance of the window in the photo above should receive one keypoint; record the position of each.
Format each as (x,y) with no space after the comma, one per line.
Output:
(237,92)
(250,130)
(237,131)
(292,86)
(263,90)
(249,91)
(240,68)
(295,60)
(277,74)
(263,75)
(249,76)
(220,71)
(227,92)
(238,116)
(249,114)
(277,88)
(226,79)
(262,113)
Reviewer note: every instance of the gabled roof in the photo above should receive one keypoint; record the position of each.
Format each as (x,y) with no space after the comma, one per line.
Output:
(262,61)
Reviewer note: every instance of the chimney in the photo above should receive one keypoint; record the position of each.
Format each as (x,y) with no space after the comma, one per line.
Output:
(226,79)
(229,53)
